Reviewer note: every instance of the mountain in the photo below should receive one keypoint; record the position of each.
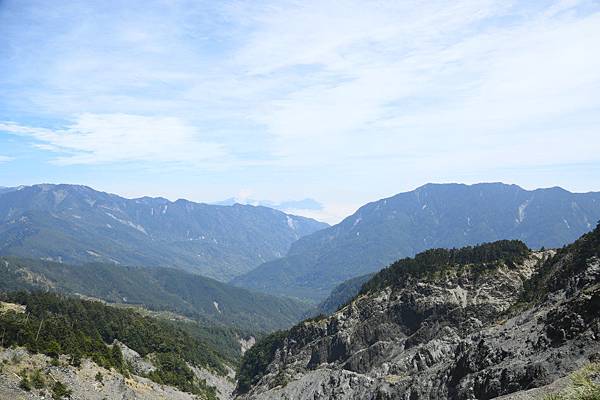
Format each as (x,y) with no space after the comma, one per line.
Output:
(304,204)
(7,189)
(76,224)
(491,321)
(158,289)
(342,294)
(434,215)
(59,347)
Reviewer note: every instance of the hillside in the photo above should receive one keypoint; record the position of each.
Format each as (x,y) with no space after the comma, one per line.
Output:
(434,215)
(473,323)
(342,294)
(192,295)
(76,224)
(70,331)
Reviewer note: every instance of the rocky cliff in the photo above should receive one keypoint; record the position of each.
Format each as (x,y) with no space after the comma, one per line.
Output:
(475,323)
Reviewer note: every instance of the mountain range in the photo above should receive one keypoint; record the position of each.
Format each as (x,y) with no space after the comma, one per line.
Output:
(76,224)
(449,318)
(434,215)
(263,249)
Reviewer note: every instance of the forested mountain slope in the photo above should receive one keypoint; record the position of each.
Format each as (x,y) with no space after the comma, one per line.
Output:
(71,331)
(434,215)
(192,295)
(76,224)
(341,294)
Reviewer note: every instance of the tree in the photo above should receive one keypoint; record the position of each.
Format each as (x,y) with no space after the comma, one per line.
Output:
(53,349)
(37,379)
(60,391)
(117,355)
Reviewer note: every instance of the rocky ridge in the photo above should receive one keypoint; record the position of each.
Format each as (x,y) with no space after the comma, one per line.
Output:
(450,331)
(90,381)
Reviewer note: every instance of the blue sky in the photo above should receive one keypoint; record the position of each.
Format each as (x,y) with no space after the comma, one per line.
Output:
(341,101)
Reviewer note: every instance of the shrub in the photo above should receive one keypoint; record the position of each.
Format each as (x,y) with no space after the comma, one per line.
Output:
(257,359)
(25,384)
(37,379)
(60,391)
(582,385)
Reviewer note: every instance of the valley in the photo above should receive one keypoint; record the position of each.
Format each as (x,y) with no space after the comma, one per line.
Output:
(299,200)
(452,322)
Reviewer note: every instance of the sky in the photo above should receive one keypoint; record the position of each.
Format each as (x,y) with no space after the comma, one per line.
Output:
(344,102)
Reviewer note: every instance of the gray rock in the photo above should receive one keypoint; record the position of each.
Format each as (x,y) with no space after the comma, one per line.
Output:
(446,336)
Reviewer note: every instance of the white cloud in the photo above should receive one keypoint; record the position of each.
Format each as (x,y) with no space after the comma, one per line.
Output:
(318,83)
(313,92)
(107,138)
(332,213)
(426,79)
(4,159)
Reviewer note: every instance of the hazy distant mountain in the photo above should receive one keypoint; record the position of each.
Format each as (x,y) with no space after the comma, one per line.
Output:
(341,294)
(304,204)
(76,224)
(434,215)
(6,189)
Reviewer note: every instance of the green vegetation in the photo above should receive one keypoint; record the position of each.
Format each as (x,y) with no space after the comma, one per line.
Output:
(25,384)
(37,379)
(89,226)
(31,380)
(582,385)
(343,293)
(60,391)
(279,380)
(172,370)
(159,289)
(55,325)
(432,216)
(437,262)
(256,360)
(554,273)
(223,339)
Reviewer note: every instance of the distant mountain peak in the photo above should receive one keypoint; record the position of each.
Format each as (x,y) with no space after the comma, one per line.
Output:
(433,215)
(77,224)
(285,206)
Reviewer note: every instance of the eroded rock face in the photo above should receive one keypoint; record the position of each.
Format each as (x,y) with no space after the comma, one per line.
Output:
(453,335)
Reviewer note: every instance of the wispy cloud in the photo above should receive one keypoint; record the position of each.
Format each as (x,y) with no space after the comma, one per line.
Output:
(96,139)
(4,159)
(348,87)
(428,79)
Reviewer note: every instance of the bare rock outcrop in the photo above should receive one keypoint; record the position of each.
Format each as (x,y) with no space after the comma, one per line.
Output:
(470,331)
